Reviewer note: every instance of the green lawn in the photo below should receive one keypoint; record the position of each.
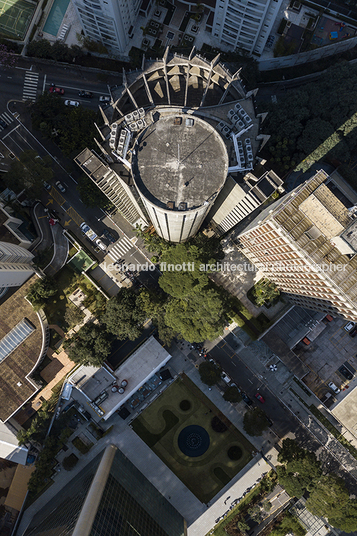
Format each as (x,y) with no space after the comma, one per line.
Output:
(161,423)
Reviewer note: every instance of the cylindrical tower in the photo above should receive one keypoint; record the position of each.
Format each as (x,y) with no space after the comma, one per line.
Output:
(180,164)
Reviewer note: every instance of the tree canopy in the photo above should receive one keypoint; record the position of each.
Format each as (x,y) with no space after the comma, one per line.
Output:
(329,497)
(255,422)
(311,123)
(29,172)
(40,290)
(209,372)
(124,316)
(90,194)
(91,345)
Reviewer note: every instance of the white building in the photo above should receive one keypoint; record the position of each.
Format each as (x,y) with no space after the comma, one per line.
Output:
(15,265)
(109,22)
(244,24)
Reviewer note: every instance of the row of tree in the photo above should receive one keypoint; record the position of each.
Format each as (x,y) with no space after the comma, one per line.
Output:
(300,473)
(312,123)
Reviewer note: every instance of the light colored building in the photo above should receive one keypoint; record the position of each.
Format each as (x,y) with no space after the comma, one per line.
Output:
(108,22)
(15,265)
(175,130)
(244,24)
(306,243)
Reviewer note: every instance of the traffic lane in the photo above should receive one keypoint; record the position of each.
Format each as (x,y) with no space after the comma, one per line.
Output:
(18,141)
(251,384)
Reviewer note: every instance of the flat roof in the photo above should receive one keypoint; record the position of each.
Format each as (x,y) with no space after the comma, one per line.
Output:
(15,387)
(9,447)
(346,411)
(180,159)
(136,370)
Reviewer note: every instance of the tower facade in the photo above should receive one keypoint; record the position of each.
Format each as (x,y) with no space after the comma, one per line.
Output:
(109,496)
(307,244)
(15,265)
(246,25)
(108,22)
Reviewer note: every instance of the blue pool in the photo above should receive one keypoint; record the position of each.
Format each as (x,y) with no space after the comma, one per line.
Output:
(55,16)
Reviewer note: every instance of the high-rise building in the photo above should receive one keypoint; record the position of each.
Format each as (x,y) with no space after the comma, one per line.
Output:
(108,22)
(15,265)
(244,24)
(178,130)
(109,496)
(306,242)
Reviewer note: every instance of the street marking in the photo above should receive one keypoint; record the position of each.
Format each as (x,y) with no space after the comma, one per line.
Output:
(11,131)
(67,222)
(30,86)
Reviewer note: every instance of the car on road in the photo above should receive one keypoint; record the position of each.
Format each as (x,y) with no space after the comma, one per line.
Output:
(334,388)
(60,187)
(108,235)
(226,378)
(349,326)
(259,397)
(47,186)
(104,99)
(71,103)
(100,244)
(3,124)
(346,373)
(54,89)
(246,399)
(85,94)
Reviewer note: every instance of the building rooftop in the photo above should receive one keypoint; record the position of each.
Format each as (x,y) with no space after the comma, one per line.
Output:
(96,384)
(15,385)
(9,447)
(180,159)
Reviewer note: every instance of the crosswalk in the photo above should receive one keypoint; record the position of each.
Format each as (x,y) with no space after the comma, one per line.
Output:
(30,86)
(7,118)
(118,251)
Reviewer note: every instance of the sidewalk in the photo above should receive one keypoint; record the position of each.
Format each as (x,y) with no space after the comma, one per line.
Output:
(282,385)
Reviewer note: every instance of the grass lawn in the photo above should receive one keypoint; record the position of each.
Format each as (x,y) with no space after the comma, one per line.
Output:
(161,423)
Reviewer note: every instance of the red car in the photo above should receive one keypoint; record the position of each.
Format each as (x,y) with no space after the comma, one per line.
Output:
(260,398)
(59,90)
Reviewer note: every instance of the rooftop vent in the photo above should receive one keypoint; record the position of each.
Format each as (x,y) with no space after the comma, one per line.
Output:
(170,205)
(178,121)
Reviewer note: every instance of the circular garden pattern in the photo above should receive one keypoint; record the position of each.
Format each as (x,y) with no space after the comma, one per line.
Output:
(193,441)
(234,453)
(217,425)
(185,405)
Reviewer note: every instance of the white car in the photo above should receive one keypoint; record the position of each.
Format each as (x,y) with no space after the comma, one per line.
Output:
(334,388)
(104,99)
(101,245)
(71,103)
(349,326)
(226,378)
(60,187)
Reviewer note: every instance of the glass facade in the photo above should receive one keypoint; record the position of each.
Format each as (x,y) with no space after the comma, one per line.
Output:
(130,505)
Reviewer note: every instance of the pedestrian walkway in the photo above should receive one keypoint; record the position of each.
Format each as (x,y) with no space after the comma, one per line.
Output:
(7,118)
(120,248)
(30,86)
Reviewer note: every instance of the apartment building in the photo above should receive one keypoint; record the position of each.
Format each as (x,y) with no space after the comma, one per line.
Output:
(306,243)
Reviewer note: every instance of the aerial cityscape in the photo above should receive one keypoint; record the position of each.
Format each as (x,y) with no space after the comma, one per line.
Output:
(178,268)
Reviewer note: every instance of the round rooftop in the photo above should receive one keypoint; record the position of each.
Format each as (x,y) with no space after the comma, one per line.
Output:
(181,161)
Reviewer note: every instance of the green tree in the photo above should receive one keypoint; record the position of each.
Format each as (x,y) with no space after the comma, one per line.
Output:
(242,526)
(91,345)
(209,373)
(40,49)
(90,194)
(29,172)
(232,394)
(69,462)
(73,316)
(7,58)
(198,317)
(255,422)
(154,306)
(41,290)
(123,315)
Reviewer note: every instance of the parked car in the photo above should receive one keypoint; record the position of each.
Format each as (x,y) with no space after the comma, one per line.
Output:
(71,103)
(3,124)
(259,397)
(349,326)
(353,332)
(104,99)
(109,236)
(246,399)
(47,186)
(346,373)
(85,94)
(60,187)
(54,89)
(100,244)
(226,378)
(334,388)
